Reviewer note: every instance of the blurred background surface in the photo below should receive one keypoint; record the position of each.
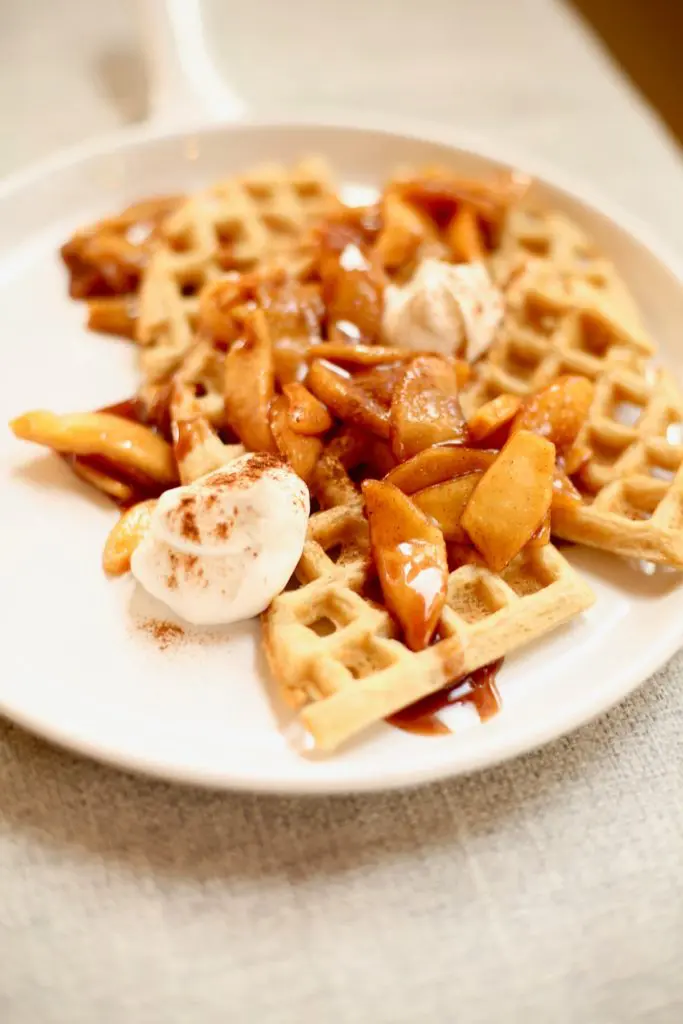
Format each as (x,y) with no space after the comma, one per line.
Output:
(526,72)
(69,68)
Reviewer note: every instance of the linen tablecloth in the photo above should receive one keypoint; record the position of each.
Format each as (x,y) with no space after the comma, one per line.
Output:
(547,889)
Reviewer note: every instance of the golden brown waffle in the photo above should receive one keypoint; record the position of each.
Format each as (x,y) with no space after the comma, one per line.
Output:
(202,371)
(240,224)
(335,652)
(532,236)
(555,325)
(633,482)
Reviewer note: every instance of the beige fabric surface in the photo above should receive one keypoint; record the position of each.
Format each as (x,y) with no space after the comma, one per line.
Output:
(546,890)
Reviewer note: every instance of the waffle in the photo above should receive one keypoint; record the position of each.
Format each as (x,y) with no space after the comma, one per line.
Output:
(335,651)
(202,371)
(239,224)
(552,239)
(633,481)
(554,325)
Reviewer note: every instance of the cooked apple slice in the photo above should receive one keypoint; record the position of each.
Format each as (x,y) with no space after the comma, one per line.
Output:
(512,499)
(442,462)
(380,381)
(464,237)
(576,456)
(404,229)
(425,408)
(463,372)
(557,412)
(565,495)
(359,355)
(542,535)
(307,414)
(353,291)
(410,555)
(126,445)
(446,502)
(338,391)
(249,383)
(125,537)
(493,416)
(300,451)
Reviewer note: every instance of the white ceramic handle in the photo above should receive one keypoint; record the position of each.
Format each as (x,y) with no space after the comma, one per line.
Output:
(184,85)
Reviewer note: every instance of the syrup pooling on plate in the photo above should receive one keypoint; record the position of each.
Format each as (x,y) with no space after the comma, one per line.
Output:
(478,688)
(439,459)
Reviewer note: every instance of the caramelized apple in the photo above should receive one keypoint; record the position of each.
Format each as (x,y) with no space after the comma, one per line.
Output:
(425,408)
(446,502)
(575,457)
(307,414)
(337,390)
(557,412)
(353,291)
(380,381)
(403,230)
(300,451)
(492,416)
(217,304)
(125,537)
(463,372)
(294,313)
(410,555)
(359,355)
(512,499)
(290,360)
(441,193)
(249,383)
(464,238)
(542,535)
(565,494)
(442,462)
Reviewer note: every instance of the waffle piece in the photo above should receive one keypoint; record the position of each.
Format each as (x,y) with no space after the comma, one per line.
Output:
(202,371)
(633,481)
(555,325)
(240,224)
(197,448)
(335,651)
(551,238)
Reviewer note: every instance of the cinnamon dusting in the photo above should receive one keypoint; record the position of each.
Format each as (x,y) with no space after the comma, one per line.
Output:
(172,578)
(165,633)
(251,470)
(188,519)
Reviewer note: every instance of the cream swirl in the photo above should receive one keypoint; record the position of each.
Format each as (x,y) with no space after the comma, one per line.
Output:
(445,308)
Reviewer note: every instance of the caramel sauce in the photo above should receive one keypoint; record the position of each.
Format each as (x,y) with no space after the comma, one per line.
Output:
(189,435)
(478,688)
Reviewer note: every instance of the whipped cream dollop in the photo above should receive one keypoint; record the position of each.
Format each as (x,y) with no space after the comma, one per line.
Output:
(220,549)
(444,308)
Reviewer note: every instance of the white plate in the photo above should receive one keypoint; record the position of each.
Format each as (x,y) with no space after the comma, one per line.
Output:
(76,664)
